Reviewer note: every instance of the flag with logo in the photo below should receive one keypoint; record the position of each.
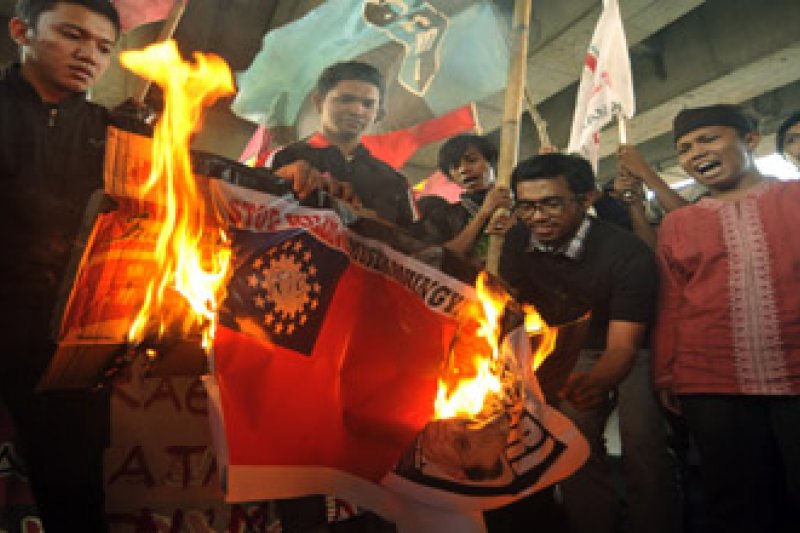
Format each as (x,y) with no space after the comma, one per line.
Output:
(442,53)
(606,88)
(326,363)
(326,360)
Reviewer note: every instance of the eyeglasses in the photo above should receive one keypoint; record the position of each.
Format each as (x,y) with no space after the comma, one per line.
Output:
(551,206)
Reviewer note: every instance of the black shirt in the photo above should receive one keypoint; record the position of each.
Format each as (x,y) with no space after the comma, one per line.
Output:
(378,185)
(614,276)
(51,160)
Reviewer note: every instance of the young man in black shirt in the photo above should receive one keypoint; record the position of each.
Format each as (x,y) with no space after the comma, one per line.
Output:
(349,97)
(566,263)
(51,160)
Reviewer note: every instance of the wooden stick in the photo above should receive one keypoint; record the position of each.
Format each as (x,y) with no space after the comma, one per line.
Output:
(512,109)
(167,31)
(622,129)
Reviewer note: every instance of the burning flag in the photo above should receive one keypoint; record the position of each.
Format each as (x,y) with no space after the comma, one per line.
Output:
(329,355)
(606,88)
(330,347)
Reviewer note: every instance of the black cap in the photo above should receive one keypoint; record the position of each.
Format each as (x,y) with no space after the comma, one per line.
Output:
(714,115)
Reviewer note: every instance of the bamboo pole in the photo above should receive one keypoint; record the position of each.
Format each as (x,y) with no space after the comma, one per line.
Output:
(512,109)
(167,31)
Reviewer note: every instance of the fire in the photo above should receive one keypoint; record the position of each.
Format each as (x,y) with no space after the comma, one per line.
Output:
(474,396)
(535,325)
(191,252)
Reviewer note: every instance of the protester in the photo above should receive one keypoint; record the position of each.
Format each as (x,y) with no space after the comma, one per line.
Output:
(726,345)
(350,97)
(788,139)
(51,159)
(565,263)
(467,160)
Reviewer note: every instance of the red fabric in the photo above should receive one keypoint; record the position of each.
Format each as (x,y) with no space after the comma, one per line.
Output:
(356,403)
(437,184)
(729,309)
(397,147)
(134,13)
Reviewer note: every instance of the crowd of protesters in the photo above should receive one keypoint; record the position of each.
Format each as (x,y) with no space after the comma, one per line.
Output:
(695,321)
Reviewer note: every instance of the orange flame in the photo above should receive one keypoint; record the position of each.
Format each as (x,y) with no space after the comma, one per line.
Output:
(469,397)
(535,325)
(191,254)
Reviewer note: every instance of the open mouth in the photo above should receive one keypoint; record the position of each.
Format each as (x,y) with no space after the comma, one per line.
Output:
(708,168)
(469,181)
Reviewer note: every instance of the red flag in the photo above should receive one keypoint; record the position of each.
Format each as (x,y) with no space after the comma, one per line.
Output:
(397,147)
(326,365)
(134,13)
(437,184)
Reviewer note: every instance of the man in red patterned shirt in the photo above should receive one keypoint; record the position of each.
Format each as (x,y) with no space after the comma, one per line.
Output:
(727,341)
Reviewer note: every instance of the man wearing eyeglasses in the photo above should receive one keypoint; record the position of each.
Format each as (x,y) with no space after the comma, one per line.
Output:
(566,263)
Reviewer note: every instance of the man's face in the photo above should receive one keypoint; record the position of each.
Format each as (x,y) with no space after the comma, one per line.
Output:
(791,145)
(550,209)
(67,51)
(472,171)
(349,109)
(716,156)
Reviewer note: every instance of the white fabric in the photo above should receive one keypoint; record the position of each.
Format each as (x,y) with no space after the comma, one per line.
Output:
(606,88)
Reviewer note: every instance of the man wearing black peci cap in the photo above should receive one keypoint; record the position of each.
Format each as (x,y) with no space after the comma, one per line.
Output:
(727,340)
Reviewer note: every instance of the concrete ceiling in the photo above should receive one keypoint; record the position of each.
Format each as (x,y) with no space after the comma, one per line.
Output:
(683,53)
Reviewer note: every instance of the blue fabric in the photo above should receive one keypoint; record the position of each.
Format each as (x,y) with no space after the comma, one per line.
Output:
(453,54)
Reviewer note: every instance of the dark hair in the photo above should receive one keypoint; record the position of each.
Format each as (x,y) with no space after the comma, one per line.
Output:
(780,137)
(576,171)
(29,10)
(351,71)
(454,148)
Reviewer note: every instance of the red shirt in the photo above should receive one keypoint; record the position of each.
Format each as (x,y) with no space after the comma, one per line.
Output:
(729,308)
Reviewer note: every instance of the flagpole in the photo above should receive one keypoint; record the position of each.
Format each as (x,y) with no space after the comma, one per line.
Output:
(512,109)
(167,31)
(622,128)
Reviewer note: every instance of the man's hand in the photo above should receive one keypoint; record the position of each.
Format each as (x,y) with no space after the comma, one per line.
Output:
(628,188)
(305,178)
(631,162)
(497,197)
(342,190)
(500,224)
(583,391)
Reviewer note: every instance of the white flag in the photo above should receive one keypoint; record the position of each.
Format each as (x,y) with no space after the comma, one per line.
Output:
(606,88)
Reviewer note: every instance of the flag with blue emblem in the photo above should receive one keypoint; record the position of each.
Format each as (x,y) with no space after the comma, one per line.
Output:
(443,53)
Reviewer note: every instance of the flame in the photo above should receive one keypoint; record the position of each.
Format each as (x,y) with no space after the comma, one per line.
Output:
(472,396)
(468,395)
(535,325)
(192,255)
